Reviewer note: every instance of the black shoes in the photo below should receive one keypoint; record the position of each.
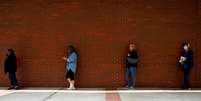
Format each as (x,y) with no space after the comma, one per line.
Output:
(10,88)
(13,88)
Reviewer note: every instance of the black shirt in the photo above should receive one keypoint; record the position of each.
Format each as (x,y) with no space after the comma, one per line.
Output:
(133,55)
(189,57)
(10,64)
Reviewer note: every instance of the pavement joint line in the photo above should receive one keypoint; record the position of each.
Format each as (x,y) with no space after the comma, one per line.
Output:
(104,91)
(49,96)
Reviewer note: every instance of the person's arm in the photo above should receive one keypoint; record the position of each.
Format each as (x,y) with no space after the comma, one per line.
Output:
(64,58)
(190,58)
(128,55)
(14,62)
(126,61)
(182,58)
(137,57)
(5,67)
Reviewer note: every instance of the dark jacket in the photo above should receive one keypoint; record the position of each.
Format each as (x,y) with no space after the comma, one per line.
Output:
(189,58)
(132,55)
(10,64)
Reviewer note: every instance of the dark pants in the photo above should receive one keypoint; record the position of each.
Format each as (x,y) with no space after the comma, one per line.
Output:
(186,76)
(13,79)
(70,75)
(131,76)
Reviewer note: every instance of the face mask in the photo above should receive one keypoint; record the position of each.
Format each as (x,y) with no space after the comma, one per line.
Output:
(185,48)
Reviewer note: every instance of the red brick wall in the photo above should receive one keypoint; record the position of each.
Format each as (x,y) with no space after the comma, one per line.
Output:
(40,30)
(198,37)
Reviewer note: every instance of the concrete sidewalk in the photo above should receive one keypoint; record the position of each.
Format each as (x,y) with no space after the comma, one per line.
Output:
(61,94)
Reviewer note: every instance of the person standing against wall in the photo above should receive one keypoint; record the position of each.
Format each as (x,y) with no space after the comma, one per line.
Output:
(131,66)
(186,61)
(10,67)
(71,66)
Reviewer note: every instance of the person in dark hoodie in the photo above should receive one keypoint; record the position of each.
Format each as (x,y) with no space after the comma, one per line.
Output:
(10,67)
(131,66)
(186,61)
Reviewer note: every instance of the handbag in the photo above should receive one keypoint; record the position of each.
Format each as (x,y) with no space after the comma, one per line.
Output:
(132,60)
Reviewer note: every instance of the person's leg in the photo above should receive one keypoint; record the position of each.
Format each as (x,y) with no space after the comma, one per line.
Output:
(68,75)
(71,80)
(15,82)
(68,79)
(133,76)
(10,76)
(186,79)
(128,76)
(73,84)
(183,81)
(70,84)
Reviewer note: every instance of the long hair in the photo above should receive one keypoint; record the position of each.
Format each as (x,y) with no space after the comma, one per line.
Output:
(12,52)
(182,47)
(71,49)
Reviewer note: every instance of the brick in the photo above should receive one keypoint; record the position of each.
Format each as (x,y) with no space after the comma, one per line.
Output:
(40,31)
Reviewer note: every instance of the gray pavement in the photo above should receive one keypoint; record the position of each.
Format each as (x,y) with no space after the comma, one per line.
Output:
(61,94)
(165,96)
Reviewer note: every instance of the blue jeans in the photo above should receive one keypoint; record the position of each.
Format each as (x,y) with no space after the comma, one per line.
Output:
(131,76)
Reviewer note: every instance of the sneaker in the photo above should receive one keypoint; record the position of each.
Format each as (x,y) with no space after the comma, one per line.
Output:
(131,87)
(126,86)
(10,88)
(16,87)
(71,88)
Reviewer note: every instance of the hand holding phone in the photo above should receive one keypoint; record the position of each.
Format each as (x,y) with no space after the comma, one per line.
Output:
(64,58)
